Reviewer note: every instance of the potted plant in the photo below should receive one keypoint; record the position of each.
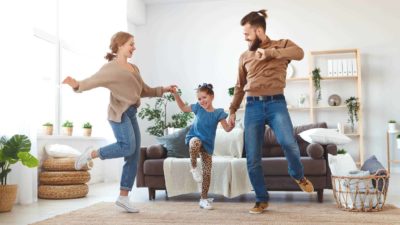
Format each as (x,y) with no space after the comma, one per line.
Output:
(392,125)
(353,106)
(48,128)
(158,114)
(13,150)
(398,141)
(341,151)
(231,91)
(316,78)
(87,129)
(68,127)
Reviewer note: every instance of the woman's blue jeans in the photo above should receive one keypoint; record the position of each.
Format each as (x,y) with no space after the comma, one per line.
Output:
(273,112)
(127,134)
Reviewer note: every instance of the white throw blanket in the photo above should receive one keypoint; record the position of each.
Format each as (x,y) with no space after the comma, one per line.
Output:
(228,177)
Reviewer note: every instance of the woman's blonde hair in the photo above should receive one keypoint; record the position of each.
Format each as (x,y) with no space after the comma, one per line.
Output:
(117,40)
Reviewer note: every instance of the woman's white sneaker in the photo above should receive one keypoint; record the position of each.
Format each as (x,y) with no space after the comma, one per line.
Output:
(123,202)
(83,159)
(206,203)
(197,174)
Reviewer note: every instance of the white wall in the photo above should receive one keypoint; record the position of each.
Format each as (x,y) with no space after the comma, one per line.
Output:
(195,42)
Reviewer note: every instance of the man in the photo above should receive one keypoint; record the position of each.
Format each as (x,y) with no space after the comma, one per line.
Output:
(262,74)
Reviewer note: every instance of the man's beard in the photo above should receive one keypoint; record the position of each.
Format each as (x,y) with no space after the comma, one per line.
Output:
(254,45)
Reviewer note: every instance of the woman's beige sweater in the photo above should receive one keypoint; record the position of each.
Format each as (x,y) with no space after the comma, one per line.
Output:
(126,88)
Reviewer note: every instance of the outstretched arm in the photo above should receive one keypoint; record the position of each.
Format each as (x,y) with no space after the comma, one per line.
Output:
(227,127)
(179,101)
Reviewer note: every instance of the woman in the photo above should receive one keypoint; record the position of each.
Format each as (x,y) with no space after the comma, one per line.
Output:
(126,88)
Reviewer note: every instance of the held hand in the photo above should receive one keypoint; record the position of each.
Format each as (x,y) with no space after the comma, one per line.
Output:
(232,119)
(169,88)
(260,54)
(71,82)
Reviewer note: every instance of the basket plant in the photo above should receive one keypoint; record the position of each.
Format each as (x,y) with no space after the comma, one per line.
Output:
(48,128)
(13,150)
(87,129)
(68,127)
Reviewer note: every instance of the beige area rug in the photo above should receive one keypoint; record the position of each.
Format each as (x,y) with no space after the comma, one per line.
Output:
(225,213)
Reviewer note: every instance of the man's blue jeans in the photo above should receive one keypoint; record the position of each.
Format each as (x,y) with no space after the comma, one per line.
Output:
(273,112)
(127,134)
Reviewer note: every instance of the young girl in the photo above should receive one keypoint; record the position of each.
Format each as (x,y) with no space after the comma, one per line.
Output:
(201,136)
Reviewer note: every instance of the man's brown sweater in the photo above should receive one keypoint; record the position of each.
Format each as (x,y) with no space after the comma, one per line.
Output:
(126,88)
(264,77)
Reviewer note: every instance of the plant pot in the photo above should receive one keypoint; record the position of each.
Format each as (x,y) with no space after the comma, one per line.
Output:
(48,130)
(68,131)
(398,143)
(8,194)
(87,132)
(392,127)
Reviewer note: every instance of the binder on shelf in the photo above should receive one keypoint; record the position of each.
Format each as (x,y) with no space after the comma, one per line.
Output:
(349,67)
(340,67)
(354,62)
(345,71)
(330,70)
(334,67)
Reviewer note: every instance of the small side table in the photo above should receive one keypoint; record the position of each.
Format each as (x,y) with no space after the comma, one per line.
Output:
(388,133)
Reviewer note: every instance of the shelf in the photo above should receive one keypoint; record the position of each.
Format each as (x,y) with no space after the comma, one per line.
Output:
(330,107)
(298,79)
(298,108)
(352,134)
(339,51)
(339,78)
(395,161)
(65,137)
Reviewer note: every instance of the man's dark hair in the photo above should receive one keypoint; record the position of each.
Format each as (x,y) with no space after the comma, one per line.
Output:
(256,19)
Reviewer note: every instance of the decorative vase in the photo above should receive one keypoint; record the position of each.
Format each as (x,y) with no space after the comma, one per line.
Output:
(48,130)
(8,194)
(68,131)
(87,132)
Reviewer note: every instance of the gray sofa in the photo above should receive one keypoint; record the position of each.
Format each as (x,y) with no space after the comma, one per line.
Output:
(151,175)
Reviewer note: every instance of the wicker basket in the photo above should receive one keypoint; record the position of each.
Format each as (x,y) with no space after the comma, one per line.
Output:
(61,178)
(360,194)
(63,191)
(8,194)
(62,164)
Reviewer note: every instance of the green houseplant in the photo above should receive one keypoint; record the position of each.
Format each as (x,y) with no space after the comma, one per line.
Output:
(68,127)
(316,78)
(48,128)
(353,107)
(341,151)
(87,129)
(231,91)
(158,115)
(13,150)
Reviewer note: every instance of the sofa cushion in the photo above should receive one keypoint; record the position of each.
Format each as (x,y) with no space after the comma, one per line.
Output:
(175,143)
(341,164)
(278,166)
(324,136)
(229,143)
(315,151)
(155,152)
(153,167)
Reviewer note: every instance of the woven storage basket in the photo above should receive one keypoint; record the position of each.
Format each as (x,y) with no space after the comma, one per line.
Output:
(360,194)
(8,194)
(63,191)
(62,164)
(68,177)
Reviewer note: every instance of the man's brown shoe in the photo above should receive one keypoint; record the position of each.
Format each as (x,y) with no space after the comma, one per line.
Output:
(305,184)
(259,207)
